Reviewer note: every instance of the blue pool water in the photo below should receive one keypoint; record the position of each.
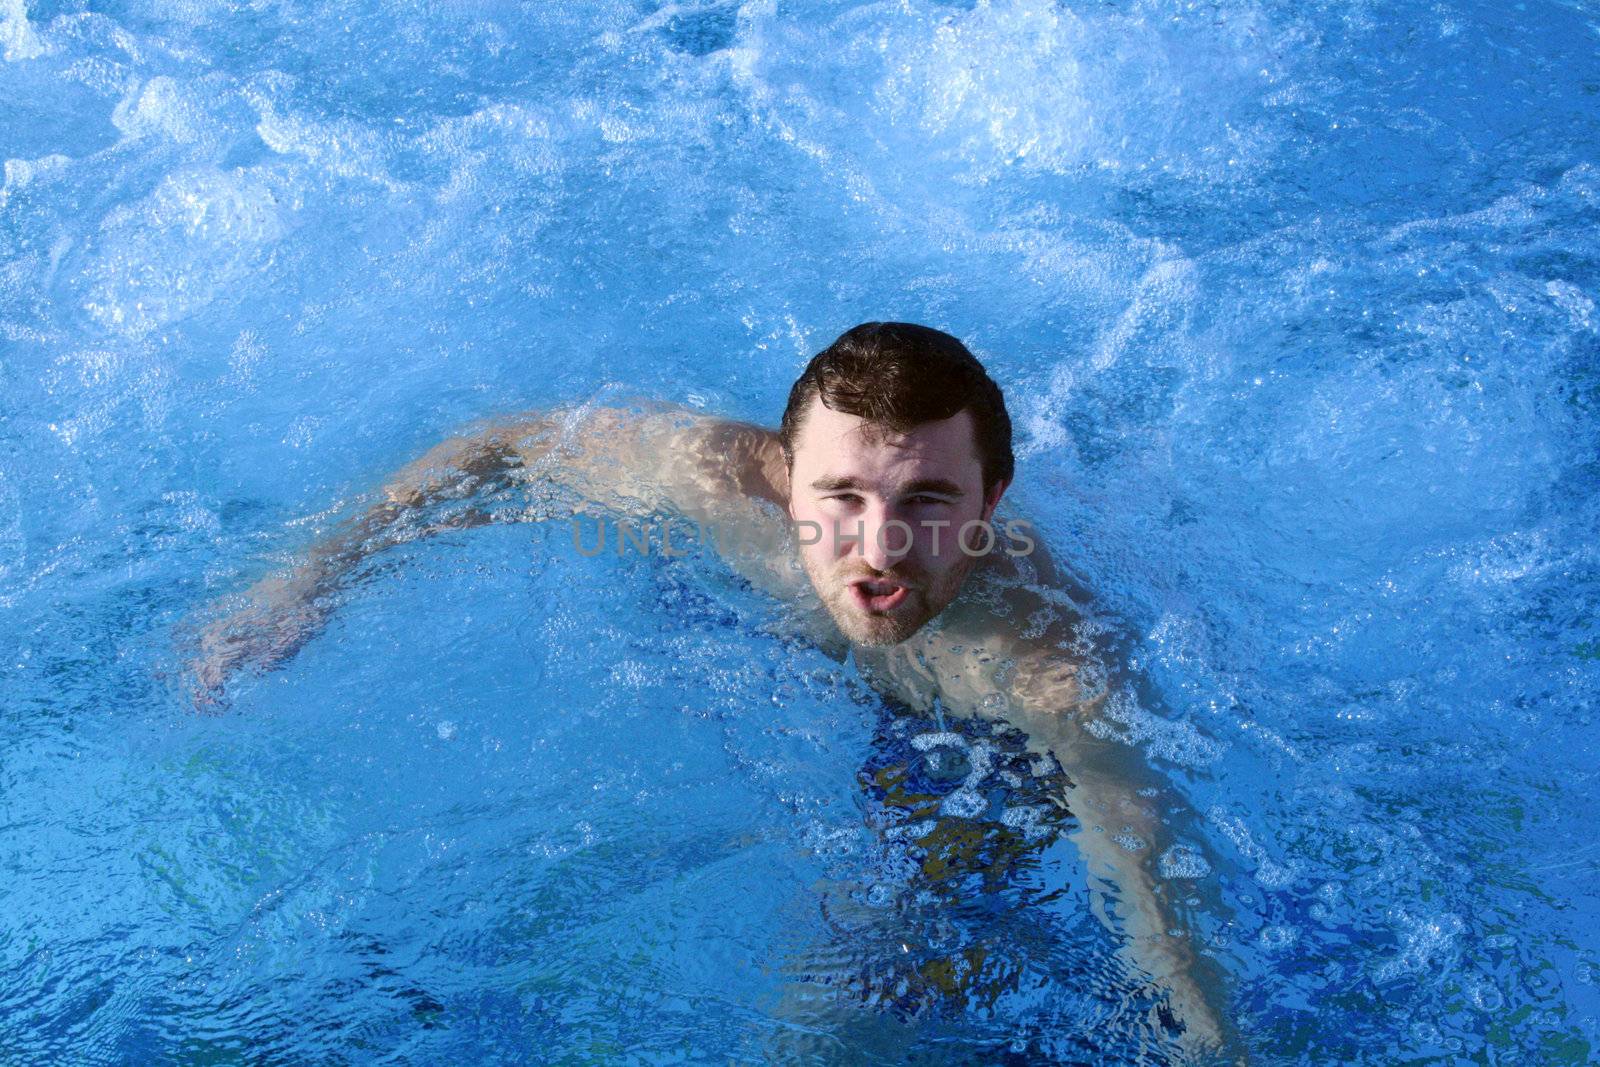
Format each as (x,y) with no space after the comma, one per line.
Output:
(1296,308)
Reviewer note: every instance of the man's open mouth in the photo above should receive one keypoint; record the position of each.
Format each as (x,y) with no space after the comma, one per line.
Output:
(878,596)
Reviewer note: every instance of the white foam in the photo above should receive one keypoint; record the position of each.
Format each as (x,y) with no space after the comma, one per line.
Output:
(928,742)
(1506,559)
(1277,938)
(1570,299)
(1427,943)
(511,133)
(913,830)
(17,35)
(197,234)
(21,173)
(1157,307)
(1270,874)
(1025,85)
(1026,820)
(163,107)
(1146,292)
(822,840)
(185,510)
(1122,718)
(1129,842)
(964,804)
(245,358)
(1486,996)
(965,801)
(341,148)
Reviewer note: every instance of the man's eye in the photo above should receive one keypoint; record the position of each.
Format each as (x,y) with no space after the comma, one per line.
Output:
(845,498)
(922,499)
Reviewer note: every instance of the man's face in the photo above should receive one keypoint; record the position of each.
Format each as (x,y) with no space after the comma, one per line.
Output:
(889,508)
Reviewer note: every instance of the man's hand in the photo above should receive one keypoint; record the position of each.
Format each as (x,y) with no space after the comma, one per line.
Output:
(282,615)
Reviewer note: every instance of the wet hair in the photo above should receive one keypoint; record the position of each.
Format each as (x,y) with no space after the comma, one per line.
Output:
(896,375)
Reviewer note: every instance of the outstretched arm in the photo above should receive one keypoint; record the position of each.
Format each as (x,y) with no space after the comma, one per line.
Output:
(639,461)
(437,492)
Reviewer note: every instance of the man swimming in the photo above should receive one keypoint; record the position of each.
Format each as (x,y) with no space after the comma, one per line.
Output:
(871,508)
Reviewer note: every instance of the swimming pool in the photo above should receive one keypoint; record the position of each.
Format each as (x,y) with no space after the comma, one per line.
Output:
(1295,308)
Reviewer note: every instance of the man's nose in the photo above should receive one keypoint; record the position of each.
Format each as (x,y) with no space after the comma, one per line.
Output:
(886,538)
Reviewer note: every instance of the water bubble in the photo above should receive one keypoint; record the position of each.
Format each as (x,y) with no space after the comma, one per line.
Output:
(1485,995)
(964,804)
(1182,861)
(1425,1033)
(1426,942)
(924,742)
(1272,875)
(1276,938)
(1129,842)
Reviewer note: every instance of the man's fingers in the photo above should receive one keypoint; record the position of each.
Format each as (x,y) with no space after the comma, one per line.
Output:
(259,637)
(208,701)
(209,678)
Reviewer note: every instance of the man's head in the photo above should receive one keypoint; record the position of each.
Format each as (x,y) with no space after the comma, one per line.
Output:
(895,438)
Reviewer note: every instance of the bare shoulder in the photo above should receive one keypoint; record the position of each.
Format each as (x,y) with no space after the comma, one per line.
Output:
(693,450)
(1052,637)
(738,458)
(650,452)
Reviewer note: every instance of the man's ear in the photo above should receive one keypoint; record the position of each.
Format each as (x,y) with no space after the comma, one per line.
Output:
(992,501)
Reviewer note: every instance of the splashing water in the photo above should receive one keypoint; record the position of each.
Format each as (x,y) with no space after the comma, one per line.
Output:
(1295,306)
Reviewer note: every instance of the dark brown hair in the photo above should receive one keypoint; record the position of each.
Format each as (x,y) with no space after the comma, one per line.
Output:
(897,375)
